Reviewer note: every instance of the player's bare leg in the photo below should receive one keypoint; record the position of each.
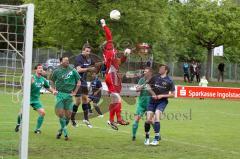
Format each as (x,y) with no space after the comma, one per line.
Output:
(75,109)
(98,110)
(85,110)
(40,119)
(147,126)
(68,117)
(135,126)
(63,121)
(157,137)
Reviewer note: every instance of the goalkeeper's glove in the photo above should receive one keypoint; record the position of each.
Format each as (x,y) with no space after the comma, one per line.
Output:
(103,23)
(127,52)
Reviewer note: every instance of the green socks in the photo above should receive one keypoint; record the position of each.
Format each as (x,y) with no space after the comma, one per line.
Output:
(62,121)
(134,128)
(19,118)
(39,122)
(67,122)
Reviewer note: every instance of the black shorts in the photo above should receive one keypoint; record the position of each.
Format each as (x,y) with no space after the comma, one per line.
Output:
(83,90)
(95,99)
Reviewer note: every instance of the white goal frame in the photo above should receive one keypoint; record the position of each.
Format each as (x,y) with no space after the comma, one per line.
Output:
(27,57)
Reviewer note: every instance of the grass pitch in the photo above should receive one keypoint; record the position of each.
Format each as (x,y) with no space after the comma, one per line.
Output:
(191,128)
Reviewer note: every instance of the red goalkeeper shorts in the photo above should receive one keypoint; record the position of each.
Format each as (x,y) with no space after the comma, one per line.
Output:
(113,83)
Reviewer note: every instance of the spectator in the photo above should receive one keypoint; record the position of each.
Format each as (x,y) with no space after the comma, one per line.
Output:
(198,71)
(186,72)
(221,71)
(203,83)
(193,70)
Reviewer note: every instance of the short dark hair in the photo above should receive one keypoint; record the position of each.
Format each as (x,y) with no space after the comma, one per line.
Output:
(149,68)
(36,66)
(87,45)
(166,67)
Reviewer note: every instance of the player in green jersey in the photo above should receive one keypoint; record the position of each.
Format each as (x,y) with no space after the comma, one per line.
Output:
(143,100)
(66,81)
(38,81)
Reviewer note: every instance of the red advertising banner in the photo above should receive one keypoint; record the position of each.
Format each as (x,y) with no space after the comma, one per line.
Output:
(207,92)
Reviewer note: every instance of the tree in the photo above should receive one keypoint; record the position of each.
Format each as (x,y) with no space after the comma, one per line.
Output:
(209,25)
(69,24)
(181,47)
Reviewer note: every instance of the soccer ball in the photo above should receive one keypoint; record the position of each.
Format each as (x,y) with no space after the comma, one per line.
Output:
(115,15)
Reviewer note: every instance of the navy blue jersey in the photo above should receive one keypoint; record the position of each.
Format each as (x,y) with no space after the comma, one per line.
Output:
(95,85)
(161,85)
(83,62)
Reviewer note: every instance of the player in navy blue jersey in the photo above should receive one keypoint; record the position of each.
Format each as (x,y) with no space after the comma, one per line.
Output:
(161,87)
(84,64)
(96,93)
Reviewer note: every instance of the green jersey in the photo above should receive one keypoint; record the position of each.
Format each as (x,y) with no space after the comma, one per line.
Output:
(65,79)
(144,92)
(36,86)
(143,99)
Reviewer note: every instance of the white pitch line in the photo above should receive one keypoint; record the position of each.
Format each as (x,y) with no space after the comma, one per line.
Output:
(165,139)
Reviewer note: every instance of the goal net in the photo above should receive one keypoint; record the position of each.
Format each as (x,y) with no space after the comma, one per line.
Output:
(16,38)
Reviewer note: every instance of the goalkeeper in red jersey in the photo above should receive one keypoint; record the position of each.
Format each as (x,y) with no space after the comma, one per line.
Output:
(113,81)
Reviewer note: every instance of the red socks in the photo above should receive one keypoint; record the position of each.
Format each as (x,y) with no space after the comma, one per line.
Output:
(115,108)
(118,111)
(112,112)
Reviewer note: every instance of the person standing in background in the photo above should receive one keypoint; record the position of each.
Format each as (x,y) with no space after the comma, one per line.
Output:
(193,70)
(221,71)
(186,72)
(198,71)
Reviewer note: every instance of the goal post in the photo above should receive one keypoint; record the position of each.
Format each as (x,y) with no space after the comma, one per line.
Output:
(10,43)
(27,78)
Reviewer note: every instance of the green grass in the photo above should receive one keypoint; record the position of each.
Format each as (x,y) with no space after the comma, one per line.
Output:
(211,131)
